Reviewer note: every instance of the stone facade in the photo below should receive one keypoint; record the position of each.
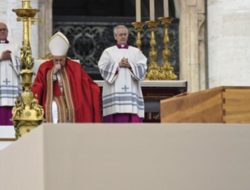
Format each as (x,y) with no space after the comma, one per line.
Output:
(192,43)
(45,26)
(192,40)
(229,42)
(213,38)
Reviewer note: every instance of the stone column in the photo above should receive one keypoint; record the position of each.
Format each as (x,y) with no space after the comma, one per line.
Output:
(229,42)
(45,26)
(192,43)
(34,39)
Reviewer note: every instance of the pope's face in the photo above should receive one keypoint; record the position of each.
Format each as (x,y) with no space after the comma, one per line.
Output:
(121,36)
(3,31)
(61,60)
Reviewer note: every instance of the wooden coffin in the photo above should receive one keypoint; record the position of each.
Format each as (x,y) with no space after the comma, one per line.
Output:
(216,105)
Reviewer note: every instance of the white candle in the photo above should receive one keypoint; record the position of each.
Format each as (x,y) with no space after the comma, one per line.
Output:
(152,9)
(138,10)
(165,8)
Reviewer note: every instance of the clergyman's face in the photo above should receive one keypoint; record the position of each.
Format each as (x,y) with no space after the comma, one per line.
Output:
(3,31)
(121,36)
(59,60)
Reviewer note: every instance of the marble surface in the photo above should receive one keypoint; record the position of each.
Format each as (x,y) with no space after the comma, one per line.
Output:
(7,136)
(129,157)
(228,42)
(156,83)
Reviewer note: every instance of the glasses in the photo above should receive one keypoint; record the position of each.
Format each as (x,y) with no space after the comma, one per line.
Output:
(3,29)
(122,34)
(59,60)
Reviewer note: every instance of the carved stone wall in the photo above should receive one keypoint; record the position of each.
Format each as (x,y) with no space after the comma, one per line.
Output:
(45,26)
(193,63)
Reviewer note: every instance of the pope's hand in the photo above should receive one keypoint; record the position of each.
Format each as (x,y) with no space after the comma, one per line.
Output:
(57,67)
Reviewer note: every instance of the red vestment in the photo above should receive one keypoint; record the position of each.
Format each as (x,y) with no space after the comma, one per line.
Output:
(85,92)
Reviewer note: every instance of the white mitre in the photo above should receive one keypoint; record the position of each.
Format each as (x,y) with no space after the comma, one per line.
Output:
(58,44)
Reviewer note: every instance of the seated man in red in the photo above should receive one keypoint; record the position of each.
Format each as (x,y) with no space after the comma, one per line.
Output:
(64,89)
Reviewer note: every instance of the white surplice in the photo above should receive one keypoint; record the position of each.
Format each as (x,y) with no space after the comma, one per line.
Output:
(122,91)
(9,76)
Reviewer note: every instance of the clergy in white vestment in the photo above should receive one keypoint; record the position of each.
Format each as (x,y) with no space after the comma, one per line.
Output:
(122,67)
(9,76)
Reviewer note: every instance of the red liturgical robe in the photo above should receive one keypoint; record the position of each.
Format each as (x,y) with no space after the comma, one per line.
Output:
(84,91)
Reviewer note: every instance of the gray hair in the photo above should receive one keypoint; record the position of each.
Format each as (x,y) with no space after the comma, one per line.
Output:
(117,27)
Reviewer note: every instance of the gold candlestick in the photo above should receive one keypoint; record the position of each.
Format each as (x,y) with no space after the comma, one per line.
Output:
(138,28)
(153,69)
(27,113)
(166,70)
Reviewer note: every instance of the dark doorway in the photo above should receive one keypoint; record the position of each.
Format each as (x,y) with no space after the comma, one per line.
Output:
(107,8)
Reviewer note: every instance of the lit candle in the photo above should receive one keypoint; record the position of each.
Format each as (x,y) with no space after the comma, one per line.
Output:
(138,10)
(152,9)
(165,8)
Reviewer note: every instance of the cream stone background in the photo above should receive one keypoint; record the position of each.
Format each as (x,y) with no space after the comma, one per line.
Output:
(229,42)
(15,28)
(192,43)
